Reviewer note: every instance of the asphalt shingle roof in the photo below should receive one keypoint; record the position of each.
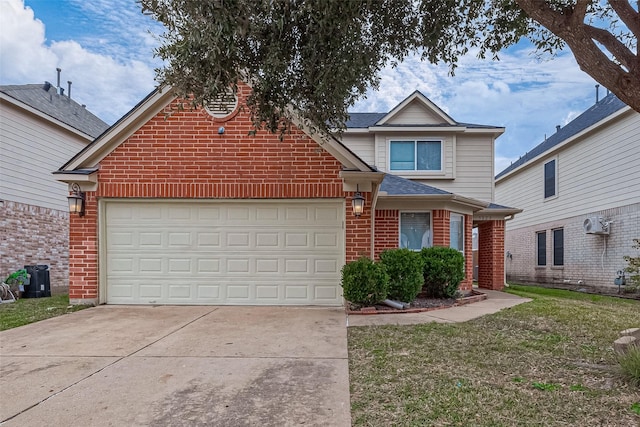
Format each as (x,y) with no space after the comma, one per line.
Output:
(59,107)
(396,186)
(604,108)
(365,120)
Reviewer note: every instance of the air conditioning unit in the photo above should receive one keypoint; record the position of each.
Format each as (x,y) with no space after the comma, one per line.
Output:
(595,225)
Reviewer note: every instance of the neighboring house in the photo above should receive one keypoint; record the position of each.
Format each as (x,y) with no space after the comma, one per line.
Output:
(190,207)
(580,191)
(39,129)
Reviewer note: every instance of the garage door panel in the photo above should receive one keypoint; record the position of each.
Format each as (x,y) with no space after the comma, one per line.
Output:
(224,252)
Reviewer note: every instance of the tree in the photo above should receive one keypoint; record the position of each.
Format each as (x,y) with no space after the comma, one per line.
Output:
(320,57)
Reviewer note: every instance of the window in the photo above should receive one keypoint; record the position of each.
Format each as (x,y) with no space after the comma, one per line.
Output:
(542,248)
(456,232)
(415,155)
(558,247)
(415,230)
(550,179)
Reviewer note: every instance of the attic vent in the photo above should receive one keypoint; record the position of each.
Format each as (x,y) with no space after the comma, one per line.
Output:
(223,105)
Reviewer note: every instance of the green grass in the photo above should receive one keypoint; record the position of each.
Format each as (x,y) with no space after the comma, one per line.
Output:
(549,362)
(29,310)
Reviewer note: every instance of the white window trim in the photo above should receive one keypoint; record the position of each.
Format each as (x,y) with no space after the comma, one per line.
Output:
(400,227)
(463,229)
(414,172)
(553,248)
(555,196)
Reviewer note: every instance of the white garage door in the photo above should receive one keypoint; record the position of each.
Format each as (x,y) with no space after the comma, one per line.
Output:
(241,252)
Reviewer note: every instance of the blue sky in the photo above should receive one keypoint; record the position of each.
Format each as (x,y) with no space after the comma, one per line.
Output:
(105,47)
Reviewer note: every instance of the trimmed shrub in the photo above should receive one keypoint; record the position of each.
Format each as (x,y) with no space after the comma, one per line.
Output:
(630,365)
(364,282)
(405,270)
(443,271)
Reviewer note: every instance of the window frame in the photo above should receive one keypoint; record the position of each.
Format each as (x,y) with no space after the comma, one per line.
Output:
(538,251)
(415,141)
(400,227)
(554,256)
(555,179)
(462,234)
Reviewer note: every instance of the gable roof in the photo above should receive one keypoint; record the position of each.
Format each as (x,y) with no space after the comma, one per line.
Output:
(380,120)
(45,99)
(603,109)
(86,161)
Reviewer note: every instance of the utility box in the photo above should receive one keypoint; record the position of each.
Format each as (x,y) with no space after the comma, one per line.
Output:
(40,284)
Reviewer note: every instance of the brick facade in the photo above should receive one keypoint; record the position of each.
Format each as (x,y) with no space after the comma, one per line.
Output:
(32,235)
(587,261)
(182,155)
(491,255)
(387,228)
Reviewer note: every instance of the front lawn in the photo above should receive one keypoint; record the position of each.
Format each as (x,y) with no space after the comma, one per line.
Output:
(29,310)
(549,362)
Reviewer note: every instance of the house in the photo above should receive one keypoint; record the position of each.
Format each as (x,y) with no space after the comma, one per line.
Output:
(188,206)
(40,128)
(580,191)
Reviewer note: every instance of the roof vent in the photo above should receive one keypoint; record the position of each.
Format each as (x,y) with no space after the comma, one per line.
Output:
(223,105)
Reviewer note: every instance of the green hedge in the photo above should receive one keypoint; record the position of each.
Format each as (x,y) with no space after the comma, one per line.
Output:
(443,271)
(405,270)
(364,282)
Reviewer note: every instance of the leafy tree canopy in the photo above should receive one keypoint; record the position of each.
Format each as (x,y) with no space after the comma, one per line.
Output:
(321,56)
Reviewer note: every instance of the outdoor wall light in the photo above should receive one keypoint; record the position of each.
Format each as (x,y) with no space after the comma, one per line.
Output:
(76,200)
(357,202)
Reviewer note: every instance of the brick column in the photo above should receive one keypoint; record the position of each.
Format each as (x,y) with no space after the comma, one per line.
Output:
(491,255)
(83,254)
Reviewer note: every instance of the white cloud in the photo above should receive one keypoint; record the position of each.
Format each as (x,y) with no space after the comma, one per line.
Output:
(108,76)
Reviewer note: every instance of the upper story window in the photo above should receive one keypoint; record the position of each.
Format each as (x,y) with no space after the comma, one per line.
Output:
(415,230)
(550,179)
(415,155)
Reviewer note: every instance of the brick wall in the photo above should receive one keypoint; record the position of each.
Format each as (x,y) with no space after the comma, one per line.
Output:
(491,254)
(441,223)
(182,155)
(386,230)
(587,262)
(32,235)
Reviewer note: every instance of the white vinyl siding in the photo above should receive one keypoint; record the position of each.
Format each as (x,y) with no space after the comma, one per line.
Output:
(415,113)
(599,172)
(275,252)
(474,168)
(31,149)
(362,145)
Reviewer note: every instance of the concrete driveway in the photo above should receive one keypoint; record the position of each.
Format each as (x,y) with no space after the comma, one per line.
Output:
(160,366)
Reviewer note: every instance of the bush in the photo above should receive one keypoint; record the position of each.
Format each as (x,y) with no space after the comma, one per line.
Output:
(364,282)
(630,365)
(405,270)
(443,271)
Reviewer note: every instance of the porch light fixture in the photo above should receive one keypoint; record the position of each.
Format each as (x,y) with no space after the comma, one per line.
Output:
(76,200)
(357,202)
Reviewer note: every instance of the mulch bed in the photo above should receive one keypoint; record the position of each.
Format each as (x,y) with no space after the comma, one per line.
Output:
(420,304)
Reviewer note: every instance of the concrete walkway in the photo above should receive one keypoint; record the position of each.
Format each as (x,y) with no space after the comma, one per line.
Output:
(495,302)
(191,366)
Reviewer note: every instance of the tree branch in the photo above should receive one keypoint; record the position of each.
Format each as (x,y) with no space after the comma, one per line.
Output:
(628,15)
(613,45)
